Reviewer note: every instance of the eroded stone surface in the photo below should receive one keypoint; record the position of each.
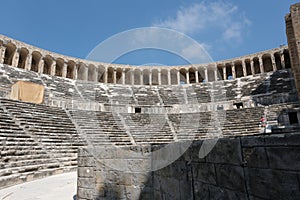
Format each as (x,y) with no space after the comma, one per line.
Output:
(261,172)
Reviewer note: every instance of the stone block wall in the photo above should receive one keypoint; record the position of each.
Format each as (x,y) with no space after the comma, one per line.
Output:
(114,175)
(254,167)
(292,21)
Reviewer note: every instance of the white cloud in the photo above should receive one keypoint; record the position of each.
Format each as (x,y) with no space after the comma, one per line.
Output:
(170,41)
(221,17)
(233,33)
(194,52)
(186,20)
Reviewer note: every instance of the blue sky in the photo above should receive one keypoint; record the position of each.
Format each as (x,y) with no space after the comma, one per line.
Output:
(226,29)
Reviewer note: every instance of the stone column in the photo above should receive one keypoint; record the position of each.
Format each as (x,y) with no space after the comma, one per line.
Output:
(105,74)
(224,72)
(169,77)
(41,66)
(75,72)
(15,58)
(282,60)
(2,54)
(159,76)
(28,61)
(53,68)
(215,71)
(123,76)
(141,78)
(132,77)
(244,68)
(64,70)
(233,70)
(178,77)
(86,73)
(197,75)
(273,63)
(115,76)
(261,66)
(150,77)
(95,75)
(216,74)
(187,76)
(205,75)
(252,67)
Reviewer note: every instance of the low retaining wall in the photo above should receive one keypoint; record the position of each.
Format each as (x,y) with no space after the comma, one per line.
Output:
(254,167)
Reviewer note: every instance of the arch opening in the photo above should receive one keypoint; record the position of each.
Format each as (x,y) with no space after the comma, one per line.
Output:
(48,60)
(22,58)
(155,77)
(256,65)
(137,77)
(192,75)
(248,67)
(201,74)
(9,53)
(119,75)
(174,80)
(36,58)
(101,73)
(59,67)
(220,72)
(71,67)
(210,73)
(110,75)
(82,72)
(267,63)
(128,76)
(92,73)
(146,74)
(229,71)
(238,69)
(278,61)
(287,60)
(164,77)
(182,76)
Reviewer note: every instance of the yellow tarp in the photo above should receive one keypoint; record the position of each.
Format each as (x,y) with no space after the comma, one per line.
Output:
(27,91)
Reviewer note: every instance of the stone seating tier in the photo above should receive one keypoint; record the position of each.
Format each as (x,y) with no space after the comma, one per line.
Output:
(143,96)
(100,128)
(49,132)
(21,156)
(146,128)
(272,84)
(38,140)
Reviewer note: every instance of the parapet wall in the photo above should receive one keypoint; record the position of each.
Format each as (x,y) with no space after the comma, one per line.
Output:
(255,167)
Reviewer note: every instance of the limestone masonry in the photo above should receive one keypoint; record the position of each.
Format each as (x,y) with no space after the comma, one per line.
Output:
(221,130)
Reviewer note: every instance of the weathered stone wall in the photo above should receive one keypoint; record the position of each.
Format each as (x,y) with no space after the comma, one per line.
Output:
(261,167)
(292,21)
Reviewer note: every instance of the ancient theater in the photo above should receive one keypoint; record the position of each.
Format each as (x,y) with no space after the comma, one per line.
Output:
(221,130)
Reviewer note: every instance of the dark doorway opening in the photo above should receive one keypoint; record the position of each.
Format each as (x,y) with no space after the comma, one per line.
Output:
(137,110)
(220,107)
(239,105)
(293,117)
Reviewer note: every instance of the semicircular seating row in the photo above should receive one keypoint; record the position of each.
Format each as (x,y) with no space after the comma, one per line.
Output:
(38,140)
(272,84)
